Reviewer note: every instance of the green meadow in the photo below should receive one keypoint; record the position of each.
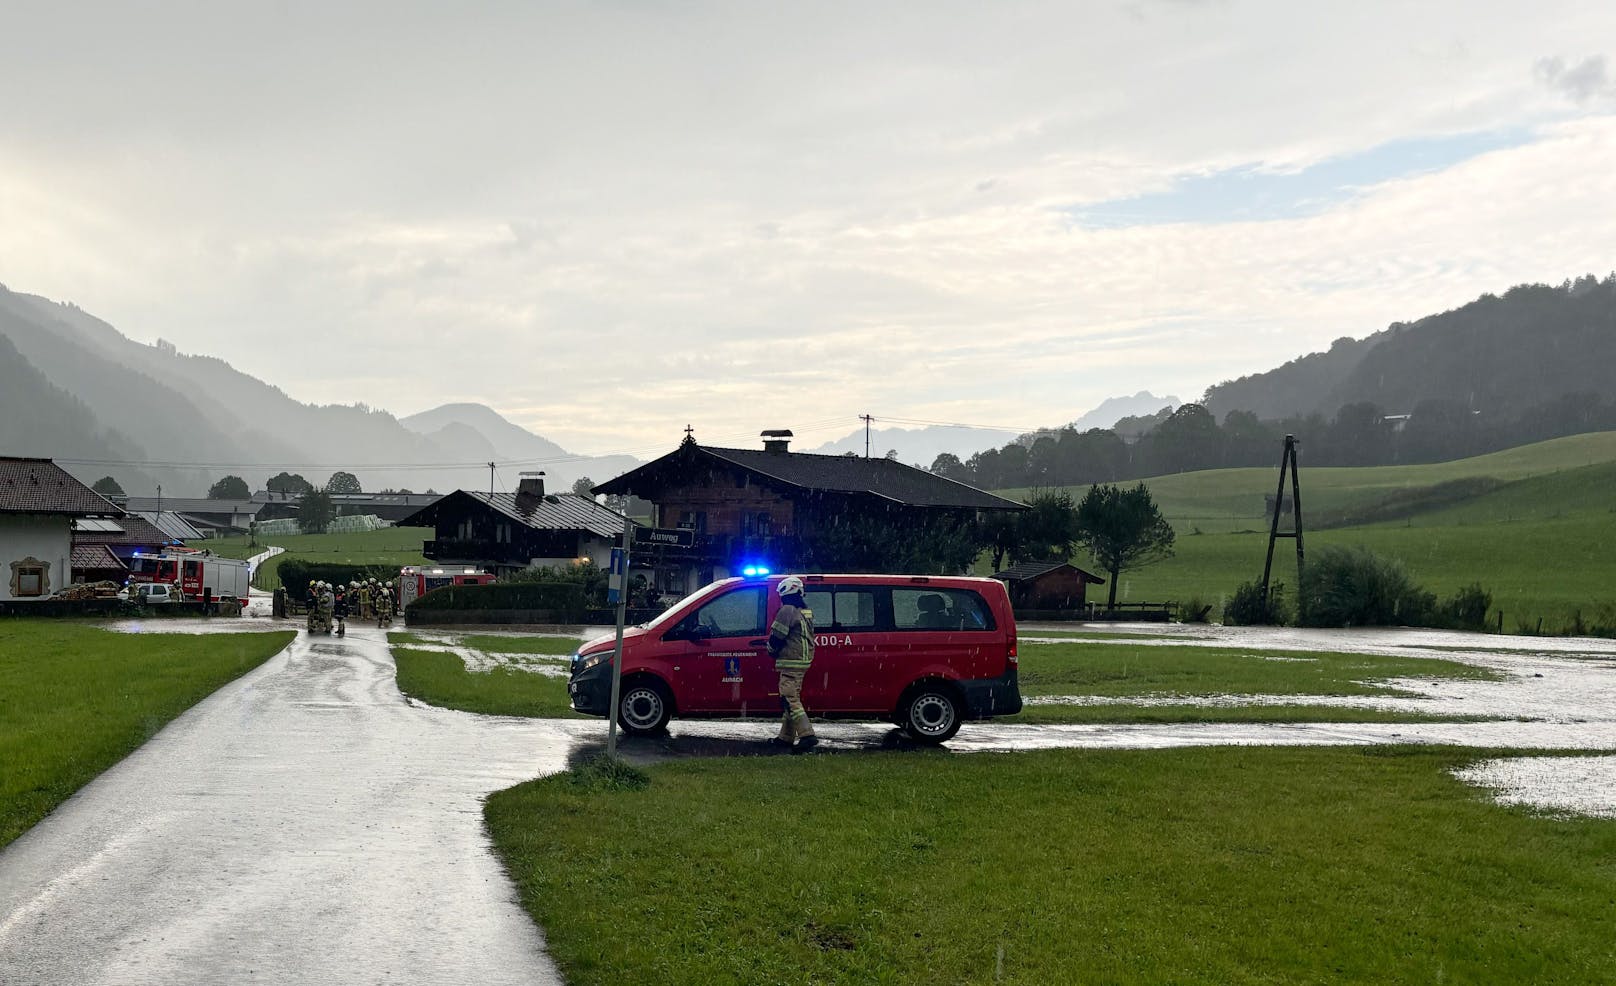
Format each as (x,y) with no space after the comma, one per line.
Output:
(75,699)
(387,546)
(1535,525)
(1233,865)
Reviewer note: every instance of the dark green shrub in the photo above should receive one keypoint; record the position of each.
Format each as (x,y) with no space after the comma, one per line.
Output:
(1247,608)
(564,599)
(1195,610)
(1467,608)
(1350,587)
(296,574)
(588,576)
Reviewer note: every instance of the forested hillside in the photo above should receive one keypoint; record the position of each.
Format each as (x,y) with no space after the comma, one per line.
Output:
(1498,356)
(1499,372)
(76,388)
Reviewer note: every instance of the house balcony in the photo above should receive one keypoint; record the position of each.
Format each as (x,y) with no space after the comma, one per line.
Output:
(473,550)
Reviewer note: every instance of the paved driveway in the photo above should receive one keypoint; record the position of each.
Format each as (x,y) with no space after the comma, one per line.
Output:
(305,824)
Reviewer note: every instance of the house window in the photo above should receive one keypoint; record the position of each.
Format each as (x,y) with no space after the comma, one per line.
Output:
(502,533)
(30,577)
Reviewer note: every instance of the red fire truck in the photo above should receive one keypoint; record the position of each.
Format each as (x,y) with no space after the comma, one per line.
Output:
(193,573)
(415,581)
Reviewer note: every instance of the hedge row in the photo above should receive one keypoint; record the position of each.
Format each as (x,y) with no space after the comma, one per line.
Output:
(296,574)
(565,599)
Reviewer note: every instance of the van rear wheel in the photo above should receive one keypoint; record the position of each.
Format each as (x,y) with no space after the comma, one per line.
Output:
(931,713)
(644,707)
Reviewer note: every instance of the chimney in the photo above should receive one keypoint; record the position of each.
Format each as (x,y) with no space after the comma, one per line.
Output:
(776,440)
(530,487)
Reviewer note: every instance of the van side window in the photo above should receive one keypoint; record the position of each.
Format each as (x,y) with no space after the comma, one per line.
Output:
(842,607)
(939,609)
(734,614)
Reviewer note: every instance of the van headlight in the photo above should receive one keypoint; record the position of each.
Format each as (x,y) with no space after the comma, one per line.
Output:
(585,662)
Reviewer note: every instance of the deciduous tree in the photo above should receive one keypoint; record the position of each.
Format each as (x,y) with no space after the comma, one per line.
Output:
(287,482)
(343,482)
(230,488)
(1122,529)
(107,486)
(314,512)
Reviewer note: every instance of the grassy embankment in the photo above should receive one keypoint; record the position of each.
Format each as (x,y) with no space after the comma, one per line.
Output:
(1192,866)
(76,699)
(388,546)
(1542,539)
(1113,669)
(441,679)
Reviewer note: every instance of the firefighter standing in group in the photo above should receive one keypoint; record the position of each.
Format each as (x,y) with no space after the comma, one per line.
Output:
(791,644)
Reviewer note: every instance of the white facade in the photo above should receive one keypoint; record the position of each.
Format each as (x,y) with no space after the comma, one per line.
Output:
(29,538)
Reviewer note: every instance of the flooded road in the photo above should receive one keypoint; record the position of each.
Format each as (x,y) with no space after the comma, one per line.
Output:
(305,824)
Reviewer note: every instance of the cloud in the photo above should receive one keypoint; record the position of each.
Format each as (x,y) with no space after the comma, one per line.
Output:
(622,218)
(1584,82)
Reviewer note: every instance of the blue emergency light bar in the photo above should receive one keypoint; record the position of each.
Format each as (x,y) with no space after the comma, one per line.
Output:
(754,570)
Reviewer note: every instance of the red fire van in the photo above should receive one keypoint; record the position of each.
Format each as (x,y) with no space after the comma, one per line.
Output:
(923,652)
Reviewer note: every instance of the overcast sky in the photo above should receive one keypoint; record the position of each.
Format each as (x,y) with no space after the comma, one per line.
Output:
(608,220)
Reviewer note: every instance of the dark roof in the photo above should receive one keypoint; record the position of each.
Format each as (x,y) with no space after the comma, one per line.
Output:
(95,556)
(1033,569)
(40,486)
(556,512)
(193,505)
(136,530)
(172,524)
(886,479)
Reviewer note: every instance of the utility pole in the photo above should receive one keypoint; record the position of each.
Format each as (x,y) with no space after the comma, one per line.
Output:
(159,497)
(866,419)
(490,479)
(1287,462)
(620,559)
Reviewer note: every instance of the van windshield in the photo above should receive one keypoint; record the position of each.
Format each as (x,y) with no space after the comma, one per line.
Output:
(684,605)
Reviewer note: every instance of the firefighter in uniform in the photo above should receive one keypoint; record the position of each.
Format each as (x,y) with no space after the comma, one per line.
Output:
(384,608)
(791,644)
(365,611)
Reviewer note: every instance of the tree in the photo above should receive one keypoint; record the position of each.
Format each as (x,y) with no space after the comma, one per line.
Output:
(314,512)
(1048,528)
(582,485)
(909,543)
(230,488)
(343,482)
(949,466)
(288,483)
(1122,529)
(107,486)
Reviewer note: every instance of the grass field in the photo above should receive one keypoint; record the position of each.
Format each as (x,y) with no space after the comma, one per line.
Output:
(1543,543)
(1243,865)
(1124,669)
(388,546)
(76,699)
(441,679)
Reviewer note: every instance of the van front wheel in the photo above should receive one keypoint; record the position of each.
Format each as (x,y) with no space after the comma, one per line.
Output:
(931,713)
(644,707)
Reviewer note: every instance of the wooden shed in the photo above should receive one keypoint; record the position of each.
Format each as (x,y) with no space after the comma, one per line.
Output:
(1047,586)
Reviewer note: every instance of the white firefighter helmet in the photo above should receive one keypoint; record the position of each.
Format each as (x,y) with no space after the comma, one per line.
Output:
(790,586)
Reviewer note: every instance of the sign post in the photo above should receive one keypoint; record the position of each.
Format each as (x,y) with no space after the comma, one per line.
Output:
(617,591)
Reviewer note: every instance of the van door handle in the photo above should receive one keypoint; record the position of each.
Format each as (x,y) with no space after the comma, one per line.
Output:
(760,642)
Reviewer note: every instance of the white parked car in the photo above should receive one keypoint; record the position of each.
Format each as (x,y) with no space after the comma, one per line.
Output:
(151,593)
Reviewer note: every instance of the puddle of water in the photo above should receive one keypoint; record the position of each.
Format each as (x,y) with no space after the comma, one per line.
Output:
(1574,785)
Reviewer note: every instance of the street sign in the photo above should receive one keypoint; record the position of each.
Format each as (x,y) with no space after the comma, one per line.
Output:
(667,537)
(616,576)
